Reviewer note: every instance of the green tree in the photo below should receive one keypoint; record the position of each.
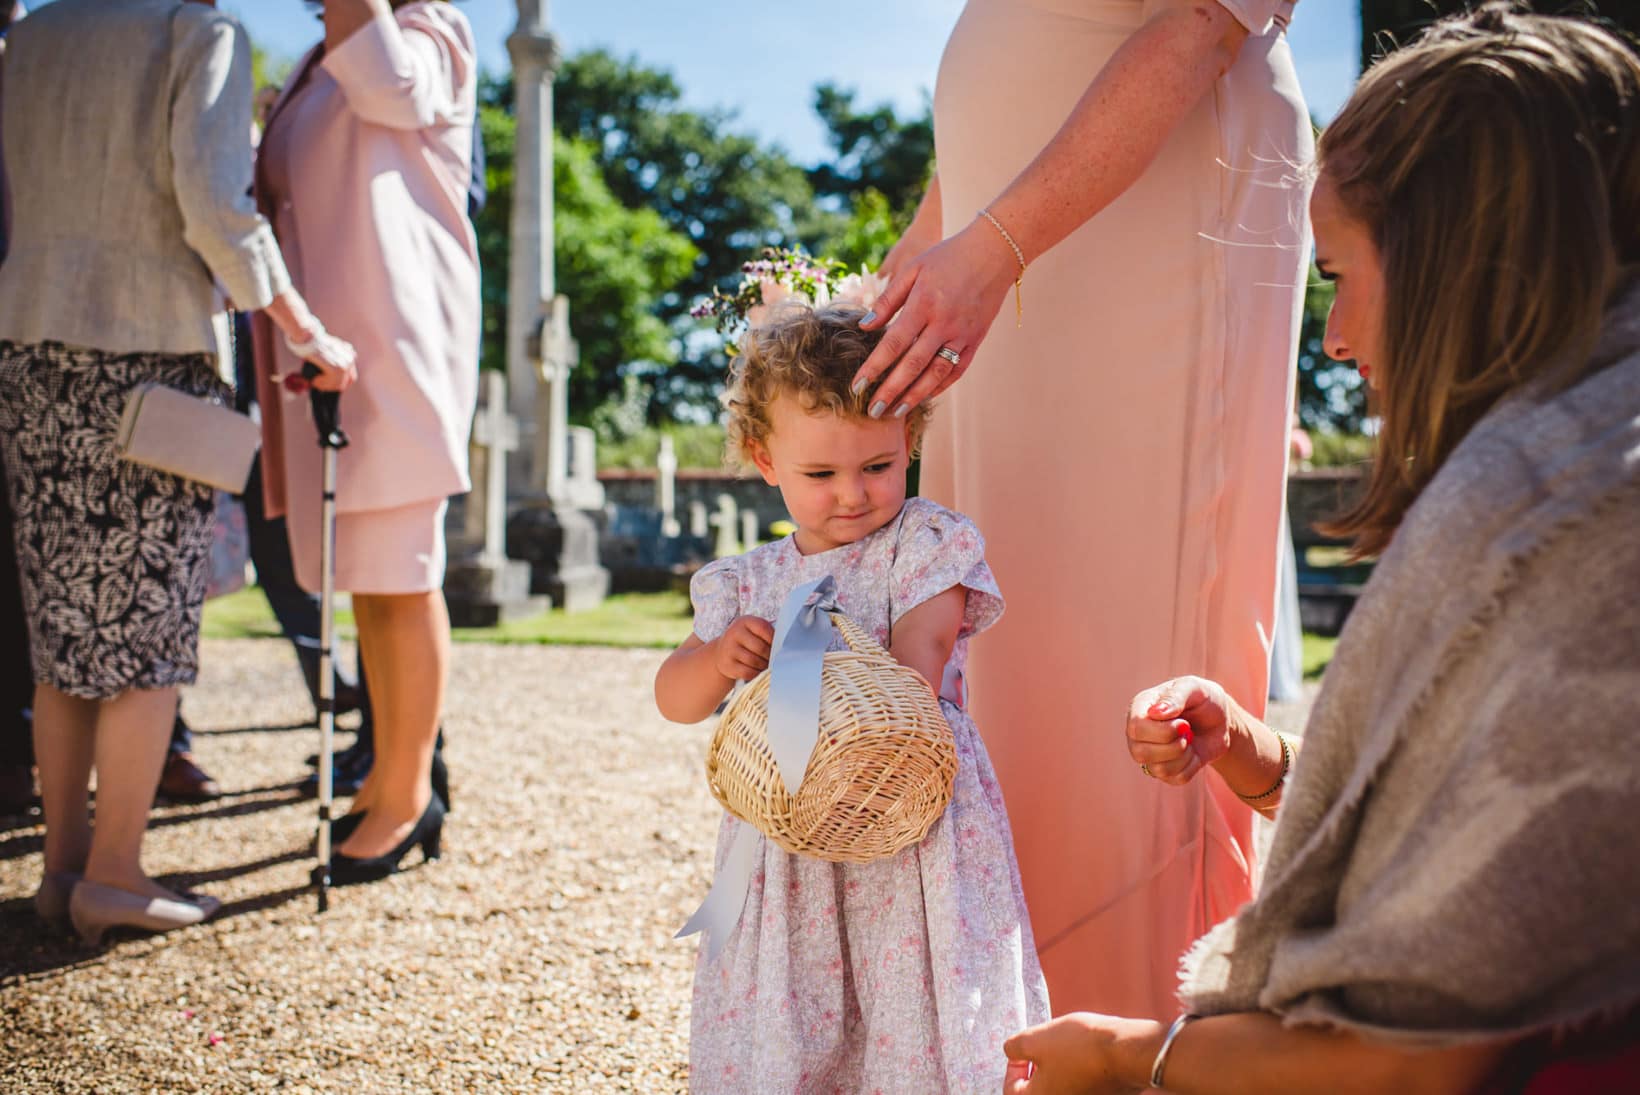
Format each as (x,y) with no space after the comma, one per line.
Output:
(612,262)
(1331,394)
(723,190)
(873,151)
(877,172)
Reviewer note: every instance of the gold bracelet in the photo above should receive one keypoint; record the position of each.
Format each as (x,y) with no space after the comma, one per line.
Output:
(1286,766)
(1019,307)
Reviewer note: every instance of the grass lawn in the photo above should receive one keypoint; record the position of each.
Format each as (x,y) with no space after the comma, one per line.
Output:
(627,619)
(1318,651)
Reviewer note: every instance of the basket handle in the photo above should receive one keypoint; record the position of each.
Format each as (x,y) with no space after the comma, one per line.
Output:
(858,638)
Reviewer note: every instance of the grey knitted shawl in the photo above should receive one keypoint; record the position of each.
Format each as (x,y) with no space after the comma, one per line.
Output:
(1458,851)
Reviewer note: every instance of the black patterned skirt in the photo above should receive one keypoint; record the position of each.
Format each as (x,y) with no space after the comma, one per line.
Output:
(112,555)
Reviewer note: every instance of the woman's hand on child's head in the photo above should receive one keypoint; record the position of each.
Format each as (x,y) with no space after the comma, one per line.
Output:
(743,650)
(1178,728)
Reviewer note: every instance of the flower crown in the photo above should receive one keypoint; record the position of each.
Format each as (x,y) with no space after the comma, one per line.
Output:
(783,275)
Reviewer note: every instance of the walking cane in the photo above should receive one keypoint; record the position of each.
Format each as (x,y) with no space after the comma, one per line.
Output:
(326,406)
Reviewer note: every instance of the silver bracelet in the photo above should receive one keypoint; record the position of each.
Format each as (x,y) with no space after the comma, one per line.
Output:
(1167,1047)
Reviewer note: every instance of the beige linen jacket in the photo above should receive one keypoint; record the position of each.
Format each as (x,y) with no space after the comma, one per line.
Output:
(127,146)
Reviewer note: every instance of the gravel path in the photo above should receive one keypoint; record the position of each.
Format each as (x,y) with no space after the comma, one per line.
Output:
(535,956)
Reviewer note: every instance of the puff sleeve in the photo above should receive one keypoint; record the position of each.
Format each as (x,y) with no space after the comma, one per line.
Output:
(938,549)
(715,593)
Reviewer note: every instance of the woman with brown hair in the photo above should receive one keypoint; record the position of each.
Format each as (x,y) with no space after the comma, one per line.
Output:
(1449,900)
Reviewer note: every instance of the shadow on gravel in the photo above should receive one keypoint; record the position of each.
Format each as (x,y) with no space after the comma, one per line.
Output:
(24,836)
(283,728)
(19,844)
(187,880)
(239,804)
(28,946)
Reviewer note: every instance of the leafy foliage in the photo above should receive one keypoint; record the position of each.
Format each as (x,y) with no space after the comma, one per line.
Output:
(873,151)
(612,261)
(1331,394)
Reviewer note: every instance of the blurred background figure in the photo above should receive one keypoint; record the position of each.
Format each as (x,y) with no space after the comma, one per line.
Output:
(397,85)
(97,297)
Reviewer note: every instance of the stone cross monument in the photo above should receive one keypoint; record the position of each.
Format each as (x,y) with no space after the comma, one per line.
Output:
(559,540)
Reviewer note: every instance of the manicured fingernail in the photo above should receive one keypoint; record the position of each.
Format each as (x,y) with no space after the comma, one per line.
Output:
(901,410)
(1160,708)
(1186,735)
(878,408)
(860,385)
(867,318)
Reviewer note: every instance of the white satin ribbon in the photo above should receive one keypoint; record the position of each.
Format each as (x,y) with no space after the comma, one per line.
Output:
(801,636)
(797,655)
(720,912)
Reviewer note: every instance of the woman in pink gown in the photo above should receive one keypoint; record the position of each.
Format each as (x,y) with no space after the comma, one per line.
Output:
(1147,161)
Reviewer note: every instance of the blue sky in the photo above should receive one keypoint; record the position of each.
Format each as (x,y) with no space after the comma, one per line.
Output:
(762,60)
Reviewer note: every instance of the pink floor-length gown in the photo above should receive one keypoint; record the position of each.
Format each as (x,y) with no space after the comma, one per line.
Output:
(1124,450)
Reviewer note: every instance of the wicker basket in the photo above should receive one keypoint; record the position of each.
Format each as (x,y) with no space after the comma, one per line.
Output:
(881,771)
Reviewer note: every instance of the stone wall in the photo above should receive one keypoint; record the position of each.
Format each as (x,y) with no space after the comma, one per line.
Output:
(636,488)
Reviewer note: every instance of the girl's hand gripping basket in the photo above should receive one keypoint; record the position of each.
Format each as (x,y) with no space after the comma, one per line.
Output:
(844,756)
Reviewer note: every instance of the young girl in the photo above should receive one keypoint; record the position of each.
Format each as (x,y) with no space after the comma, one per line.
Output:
(904,974)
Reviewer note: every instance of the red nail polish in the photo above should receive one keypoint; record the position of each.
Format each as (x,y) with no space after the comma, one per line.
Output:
(1186,734)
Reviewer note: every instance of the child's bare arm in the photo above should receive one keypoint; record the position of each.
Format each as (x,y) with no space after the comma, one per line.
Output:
(696,677)
(923,637)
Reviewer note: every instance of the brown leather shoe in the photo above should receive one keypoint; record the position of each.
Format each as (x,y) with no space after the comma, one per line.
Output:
(185,781)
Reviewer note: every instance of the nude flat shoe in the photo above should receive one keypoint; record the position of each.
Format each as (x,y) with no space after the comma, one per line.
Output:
(51,901)
(95,908)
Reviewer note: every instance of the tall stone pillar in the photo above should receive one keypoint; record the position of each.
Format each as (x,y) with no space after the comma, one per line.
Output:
(559,541)
(530,285)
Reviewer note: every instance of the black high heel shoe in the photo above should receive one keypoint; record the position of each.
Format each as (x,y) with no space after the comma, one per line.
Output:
(351,767)
(440,775)
(345,870)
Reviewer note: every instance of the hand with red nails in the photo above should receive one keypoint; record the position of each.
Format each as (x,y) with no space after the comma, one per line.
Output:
(1081,1054)
(1178,728)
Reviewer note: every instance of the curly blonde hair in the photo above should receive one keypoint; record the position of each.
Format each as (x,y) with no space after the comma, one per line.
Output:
(812,355)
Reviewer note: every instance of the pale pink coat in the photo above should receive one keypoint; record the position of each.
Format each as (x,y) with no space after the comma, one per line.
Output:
(363,172)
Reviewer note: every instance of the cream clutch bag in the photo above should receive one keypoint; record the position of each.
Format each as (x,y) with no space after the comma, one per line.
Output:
(188,437)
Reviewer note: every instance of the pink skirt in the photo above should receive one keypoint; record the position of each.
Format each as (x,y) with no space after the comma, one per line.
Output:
(398,550)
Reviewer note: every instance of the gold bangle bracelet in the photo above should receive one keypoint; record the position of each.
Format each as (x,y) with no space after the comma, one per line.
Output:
(1019,306)
(1281,780)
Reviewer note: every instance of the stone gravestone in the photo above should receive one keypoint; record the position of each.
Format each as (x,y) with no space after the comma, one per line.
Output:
(666,487)
(484,587)
(581,488)
(699,526)
(556,536)
(748,529)
(727,521)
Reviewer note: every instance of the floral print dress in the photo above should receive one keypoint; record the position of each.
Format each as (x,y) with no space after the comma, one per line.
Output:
(906,974)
